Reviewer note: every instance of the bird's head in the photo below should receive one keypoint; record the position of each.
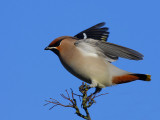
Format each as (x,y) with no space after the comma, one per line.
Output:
(55,45)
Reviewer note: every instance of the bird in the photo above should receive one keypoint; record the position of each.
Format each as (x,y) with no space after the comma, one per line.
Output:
(88,56)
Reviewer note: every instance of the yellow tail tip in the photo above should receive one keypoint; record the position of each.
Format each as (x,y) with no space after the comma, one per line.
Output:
(148,77)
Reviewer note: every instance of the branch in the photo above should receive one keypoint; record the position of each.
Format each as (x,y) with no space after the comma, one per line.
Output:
(86,101)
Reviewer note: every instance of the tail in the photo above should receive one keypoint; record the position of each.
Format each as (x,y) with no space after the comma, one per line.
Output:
(130,78)
(144,77)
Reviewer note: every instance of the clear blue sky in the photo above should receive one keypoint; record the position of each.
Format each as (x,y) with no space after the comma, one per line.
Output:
(30,75)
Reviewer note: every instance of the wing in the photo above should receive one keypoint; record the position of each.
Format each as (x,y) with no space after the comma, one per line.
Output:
(119,51)
(95,32)
(111,51)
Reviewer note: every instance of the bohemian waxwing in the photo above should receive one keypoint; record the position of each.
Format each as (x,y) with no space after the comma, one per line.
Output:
(88,56)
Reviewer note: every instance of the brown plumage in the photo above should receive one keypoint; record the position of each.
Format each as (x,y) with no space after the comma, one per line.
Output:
(88,56)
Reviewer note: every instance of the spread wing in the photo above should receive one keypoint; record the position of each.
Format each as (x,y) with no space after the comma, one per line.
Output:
(97,32)
(110,50)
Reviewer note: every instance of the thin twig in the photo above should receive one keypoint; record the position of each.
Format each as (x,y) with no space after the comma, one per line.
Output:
(86,101)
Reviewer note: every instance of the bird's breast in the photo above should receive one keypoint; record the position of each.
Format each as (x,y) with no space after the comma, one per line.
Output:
(87,67)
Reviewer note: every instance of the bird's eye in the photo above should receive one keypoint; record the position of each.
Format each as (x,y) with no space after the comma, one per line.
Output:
(57,43)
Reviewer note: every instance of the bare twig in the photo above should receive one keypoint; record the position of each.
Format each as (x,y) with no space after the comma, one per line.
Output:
(86,101)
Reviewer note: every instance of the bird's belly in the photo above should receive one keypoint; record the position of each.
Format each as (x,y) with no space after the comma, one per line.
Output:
(89,68)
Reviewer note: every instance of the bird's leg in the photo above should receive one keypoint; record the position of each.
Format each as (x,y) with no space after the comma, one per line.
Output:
(97,90)
(95,84)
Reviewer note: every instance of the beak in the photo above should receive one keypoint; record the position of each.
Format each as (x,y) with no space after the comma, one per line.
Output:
(50,48)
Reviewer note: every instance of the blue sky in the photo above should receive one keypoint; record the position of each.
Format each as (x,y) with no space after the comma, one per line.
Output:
(30,75)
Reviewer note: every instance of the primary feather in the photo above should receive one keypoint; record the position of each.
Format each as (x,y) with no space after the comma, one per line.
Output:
(95,32)
(119,51)
(109,50)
